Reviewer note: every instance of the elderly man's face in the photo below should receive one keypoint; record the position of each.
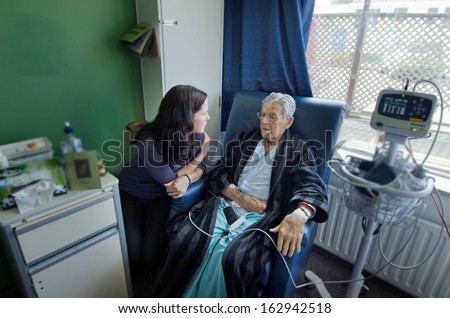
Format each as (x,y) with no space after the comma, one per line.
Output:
(273,130)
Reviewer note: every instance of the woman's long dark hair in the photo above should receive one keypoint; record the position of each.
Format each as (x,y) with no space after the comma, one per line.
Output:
(173,126)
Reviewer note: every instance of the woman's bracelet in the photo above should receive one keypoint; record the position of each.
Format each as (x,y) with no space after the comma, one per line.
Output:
(189,178)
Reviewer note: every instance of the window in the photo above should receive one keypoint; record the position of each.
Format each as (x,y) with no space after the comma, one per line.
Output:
(357,48)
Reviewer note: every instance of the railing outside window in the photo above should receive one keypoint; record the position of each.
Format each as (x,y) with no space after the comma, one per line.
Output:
(352,57)
(394,47)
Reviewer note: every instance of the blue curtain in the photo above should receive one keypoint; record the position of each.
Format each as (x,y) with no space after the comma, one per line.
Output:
(265,48)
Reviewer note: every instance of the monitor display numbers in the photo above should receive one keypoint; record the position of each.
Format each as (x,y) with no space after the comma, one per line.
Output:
(393,106)
(405,107)
(403,113)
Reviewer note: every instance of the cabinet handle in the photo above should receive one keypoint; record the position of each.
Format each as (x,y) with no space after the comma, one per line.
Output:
(168,22)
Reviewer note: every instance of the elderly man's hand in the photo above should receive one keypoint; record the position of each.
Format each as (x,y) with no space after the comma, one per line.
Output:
(290,232)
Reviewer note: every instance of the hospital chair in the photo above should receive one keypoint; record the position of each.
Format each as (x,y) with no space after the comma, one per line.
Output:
(316,120)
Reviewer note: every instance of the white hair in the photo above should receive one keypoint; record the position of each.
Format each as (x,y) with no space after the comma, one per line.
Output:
(284,100)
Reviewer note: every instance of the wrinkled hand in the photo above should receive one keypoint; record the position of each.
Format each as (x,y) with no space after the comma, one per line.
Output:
(290,232)
(177,188)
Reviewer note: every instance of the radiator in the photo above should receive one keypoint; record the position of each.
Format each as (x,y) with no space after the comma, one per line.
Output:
(341,235)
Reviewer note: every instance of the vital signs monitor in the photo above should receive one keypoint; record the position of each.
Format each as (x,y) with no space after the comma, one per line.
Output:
(403,113)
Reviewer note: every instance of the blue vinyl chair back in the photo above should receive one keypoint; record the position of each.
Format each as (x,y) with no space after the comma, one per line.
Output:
(317,121)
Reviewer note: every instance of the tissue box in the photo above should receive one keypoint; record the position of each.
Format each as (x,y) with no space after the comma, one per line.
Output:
(20,175)
(32,195)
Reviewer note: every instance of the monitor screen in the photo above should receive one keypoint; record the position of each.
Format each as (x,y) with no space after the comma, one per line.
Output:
(405,107)
(403,113)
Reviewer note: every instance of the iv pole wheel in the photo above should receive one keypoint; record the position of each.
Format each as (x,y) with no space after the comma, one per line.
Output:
(318,284)
(364,290)
(307,281)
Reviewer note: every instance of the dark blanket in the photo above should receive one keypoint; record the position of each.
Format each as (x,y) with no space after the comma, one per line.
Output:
(294,179)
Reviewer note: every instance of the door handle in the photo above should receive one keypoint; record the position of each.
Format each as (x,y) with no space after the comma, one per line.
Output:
(169,22)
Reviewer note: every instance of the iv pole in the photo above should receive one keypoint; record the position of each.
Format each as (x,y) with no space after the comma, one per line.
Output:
(357,279)
(400,114)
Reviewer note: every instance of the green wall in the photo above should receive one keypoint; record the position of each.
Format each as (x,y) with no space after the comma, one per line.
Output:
(63,61)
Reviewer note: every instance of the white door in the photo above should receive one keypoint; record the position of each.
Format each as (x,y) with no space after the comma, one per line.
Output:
(191,34)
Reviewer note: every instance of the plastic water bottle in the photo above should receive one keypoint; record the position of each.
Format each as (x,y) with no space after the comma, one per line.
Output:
(4,163)
(70,143)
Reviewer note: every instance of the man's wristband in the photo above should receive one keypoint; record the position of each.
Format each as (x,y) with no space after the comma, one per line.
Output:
(187,176)
(308,212)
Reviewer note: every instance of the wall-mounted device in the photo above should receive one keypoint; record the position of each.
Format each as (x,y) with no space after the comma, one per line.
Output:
(403,113)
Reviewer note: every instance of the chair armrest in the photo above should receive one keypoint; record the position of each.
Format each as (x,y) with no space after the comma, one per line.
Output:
(279,283)
(194,194)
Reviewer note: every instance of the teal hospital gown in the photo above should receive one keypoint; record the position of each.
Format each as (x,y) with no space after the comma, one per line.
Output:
(209,280)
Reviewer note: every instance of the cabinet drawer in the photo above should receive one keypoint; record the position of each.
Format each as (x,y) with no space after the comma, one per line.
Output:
(94,268)
(46,237)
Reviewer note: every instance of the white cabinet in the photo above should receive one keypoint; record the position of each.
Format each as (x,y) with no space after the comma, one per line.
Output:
(73,246)
(68,227)
(91,269)
(189,34)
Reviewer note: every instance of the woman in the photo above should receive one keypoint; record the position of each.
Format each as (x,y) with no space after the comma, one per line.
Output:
(267,182)
(168,159)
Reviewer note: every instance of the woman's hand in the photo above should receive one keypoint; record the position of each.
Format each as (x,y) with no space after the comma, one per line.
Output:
(177,188)
(290,232)
(192,166)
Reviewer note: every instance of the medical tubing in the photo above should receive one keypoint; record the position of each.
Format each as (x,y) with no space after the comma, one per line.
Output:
(388,262)
(440,118)
(285,263)
(323,282)
(206,233)
(426,191)
(287,266)
(405,88)
(273,242)
(407,241)
(441,211)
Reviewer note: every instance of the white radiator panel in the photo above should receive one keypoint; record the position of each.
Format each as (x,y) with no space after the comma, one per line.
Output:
(342,233)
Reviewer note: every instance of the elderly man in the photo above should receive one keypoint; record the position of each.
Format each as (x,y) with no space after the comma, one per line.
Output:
(266,185)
